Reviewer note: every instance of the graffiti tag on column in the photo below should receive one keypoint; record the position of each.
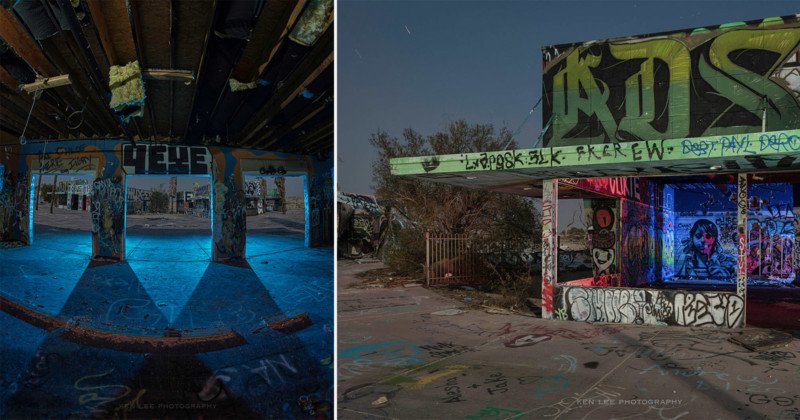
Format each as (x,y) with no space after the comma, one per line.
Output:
(163,159)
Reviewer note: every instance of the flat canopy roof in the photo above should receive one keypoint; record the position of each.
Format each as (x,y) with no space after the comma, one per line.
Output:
(504,170)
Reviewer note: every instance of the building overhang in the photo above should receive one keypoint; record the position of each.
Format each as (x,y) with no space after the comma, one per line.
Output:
(521,171)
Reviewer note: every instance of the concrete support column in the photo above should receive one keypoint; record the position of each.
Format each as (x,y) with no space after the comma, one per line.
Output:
(229,217)
(108,217)
(741,229)
(549,245)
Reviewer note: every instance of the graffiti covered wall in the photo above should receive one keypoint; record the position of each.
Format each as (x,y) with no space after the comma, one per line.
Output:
(649,307)
(691,83)
(114,160)
(604,240)
(639,227)
(14,192)
(703,245)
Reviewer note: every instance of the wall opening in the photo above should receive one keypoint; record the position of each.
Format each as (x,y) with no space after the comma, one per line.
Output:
(574,256)
(277,213)
(60,210)
(168,217)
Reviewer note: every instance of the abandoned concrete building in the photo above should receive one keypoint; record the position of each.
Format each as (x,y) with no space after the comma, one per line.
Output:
(684,148)
(161,319)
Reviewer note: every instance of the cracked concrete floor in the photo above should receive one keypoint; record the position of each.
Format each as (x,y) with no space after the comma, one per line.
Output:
(398,360)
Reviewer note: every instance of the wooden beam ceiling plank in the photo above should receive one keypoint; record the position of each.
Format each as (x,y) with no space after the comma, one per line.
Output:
(282,34)
(119,30)
(320,129)
(272,28)
(8,80)
(14,34)
(25,103)
(7,113)
(208,34)
(99,19)
(321,53)
(37,119)
(57,50)
(322,67)
(13,89)
(47,83)
(169,74)
(68,94)
(134,8)
(188,47)
(306,114)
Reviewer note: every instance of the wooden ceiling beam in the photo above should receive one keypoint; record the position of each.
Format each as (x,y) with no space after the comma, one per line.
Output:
(50,82)
(302,144)
(26,105)
(322,67)
(172,75)
(96,10)
(8,113)
(209,31)
(133,16)
(14,34)
(316,61)
(54,46)
(276,134)
(34,117)
(268,36)
(13,86)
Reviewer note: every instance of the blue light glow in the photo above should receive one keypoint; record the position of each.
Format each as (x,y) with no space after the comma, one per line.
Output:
(30,209)
(210,195)
(124,220)
(308,214)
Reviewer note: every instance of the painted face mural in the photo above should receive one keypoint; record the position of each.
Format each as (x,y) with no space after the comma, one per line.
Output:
(704,242)
(702,258)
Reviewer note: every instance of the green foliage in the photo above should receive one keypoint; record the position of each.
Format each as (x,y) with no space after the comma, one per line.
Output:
(447,209)
(405,254)
(44,192)
(159,202)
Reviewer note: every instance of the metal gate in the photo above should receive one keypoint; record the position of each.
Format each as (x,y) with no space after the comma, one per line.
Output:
(452,259)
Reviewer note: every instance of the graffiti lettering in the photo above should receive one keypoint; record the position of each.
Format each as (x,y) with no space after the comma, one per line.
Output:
(163,159)
(651,87)
(651,307)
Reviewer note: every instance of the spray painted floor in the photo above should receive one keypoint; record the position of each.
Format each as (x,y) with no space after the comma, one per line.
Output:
(400,355)
(167,288)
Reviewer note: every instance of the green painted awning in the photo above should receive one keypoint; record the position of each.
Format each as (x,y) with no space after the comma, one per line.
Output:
(748,152)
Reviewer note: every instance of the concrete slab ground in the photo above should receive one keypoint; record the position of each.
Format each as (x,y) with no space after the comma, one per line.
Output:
(398,359)
(167,287)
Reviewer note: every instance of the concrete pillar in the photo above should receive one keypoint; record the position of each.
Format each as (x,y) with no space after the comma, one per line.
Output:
(173,195)
(108,218)
(549,245)
(741,229)
(230,216)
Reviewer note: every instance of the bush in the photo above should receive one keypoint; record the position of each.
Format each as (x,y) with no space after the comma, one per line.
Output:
(405,254)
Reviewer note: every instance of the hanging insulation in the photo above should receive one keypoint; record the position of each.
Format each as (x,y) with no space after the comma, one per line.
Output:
(237,85)
(127,90)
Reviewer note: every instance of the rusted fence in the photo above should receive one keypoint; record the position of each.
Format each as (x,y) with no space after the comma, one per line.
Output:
(453,259)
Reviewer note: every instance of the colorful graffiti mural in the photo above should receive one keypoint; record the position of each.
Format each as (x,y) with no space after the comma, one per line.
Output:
(111,161)
(651,307)
(638,243)
(704,242)
(14,202)
(691,83)
(108,217)
(604,237)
